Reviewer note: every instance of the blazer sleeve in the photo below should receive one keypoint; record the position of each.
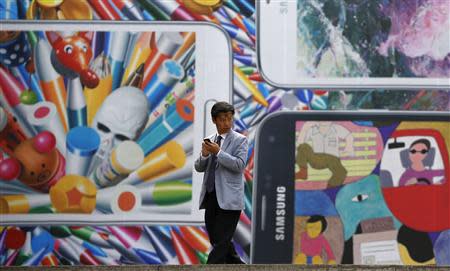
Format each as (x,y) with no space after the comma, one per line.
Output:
(237,160)
(201,164)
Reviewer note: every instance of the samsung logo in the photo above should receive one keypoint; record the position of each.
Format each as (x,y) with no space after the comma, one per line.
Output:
(280,213)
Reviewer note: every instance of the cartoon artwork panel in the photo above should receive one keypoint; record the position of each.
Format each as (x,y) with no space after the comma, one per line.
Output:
(108,131)
(381,222)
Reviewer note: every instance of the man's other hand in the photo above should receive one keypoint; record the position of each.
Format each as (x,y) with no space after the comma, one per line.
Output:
(205,151)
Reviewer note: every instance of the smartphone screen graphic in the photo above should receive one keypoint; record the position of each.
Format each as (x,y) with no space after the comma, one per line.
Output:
(124,104)
(339,39)
(355,43)
(98,123)
(331,154)
(347,180)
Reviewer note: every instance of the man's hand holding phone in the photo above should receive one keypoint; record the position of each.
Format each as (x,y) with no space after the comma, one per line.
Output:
(211,147)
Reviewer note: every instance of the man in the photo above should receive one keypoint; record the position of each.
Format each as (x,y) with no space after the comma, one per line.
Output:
(223,159)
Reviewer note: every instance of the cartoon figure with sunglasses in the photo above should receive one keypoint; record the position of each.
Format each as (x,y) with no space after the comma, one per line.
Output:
(418,172)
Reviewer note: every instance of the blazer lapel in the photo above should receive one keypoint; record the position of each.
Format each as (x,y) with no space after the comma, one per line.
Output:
(228,140)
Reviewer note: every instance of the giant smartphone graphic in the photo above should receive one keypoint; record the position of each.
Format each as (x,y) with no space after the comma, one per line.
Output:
(354,44)
(100,122)
(341,187)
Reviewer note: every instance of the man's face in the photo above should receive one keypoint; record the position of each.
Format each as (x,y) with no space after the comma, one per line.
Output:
(224,122)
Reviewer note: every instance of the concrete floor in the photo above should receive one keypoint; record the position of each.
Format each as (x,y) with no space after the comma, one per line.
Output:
(281,267)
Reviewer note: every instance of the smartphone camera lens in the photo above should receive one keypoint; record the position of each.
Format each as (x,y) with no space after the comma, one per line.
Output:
(271,139)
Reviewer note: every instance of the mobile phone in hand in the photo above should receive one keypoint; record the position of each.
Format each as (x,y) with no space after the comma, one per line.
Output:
(207,141)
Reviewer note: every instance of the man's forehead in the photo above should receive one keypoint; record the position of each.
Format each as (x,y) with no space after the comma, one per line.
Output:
(225,115)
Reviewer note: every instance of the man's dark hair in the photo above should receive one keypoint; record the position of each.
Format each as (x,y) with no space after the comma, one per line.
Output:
(221,107)
(316,218)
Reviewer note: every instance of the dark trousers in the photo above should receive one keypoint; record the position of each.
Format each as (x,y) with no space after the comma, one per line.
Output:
(221,225)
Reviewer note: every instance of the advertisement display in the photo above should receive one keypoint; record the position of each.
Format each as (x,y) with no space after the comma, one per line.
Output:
(109,136)
(352,188)
(104,105)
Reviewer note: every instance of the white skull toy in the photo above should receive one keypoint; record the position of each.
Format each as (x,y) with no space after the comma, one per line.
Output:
(122,116)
